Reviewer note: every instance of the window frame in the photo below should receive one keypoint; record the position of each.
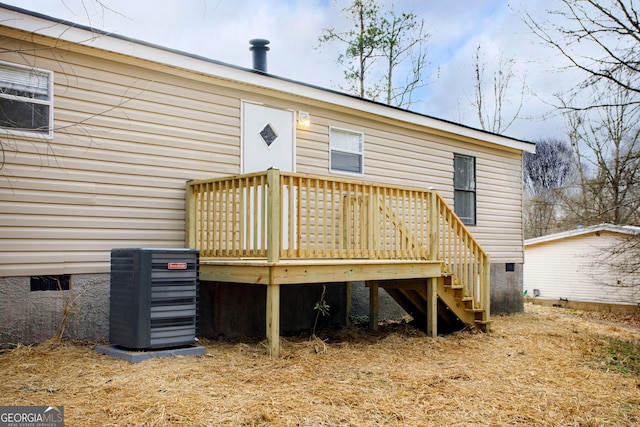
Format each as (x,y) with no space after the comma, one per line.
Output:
(55,282)
(457,189)
(48,133)
(332,149)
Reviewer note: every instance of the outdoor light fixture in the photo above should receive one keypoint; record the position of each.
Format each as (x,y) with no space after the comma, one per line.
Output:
(304,119)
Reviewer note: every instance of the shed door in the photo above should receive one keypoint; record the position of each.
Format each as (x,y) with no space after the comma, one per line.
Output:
(267,139)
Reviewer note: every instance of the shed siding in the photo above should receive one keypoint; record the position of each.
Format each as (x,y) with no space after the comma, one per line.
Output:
(572,268)
(129,134)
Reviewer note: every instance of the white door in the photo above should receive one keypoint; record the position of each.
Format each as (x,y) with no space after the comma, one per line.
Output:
(268,141)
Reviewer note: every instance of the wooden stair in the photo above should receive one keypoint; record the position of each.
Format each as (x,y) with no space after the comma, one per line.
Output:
(455,309)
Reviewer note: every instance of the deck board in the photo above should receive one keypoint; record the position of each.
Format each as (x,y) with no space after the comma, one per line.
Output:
(284,272)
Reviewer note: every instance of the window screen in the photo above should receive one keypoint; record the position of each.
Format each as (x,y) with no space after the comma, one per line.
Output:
(25,99)
(346,151)
(464,184)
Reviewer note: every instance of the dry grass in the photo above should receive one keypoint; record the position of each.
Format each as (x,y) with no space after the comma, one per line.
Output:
(542,368)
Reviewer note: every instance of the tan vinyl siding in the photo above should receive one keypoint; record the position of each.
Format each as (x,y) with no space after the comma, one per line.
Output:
(115,172)
(572,268)
(129,134)
(401,156)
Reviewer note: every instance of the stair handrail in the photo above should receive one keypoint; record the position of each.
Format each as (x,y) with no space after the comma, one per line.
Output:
(469,268)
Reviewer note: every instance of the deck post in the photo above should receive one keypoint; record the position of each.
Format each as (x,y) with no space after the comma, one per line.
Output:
(190,217)
(347,298)
(373,306)
(432,307)
(434,238)
(273,215)
(273,256)
(273,320)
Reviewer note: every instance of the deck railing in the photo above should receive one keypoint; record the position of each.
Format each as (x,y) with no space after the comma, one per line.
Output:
(275,215)
(464,258)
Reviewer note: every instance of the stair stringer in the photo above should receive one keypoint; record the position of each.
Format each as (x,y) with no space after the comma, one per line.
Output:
(447,322)
(453,308)
(456,303)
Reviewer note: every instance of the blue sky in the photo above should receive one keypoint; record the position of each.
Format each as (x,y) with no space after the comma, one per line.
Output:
(221,29)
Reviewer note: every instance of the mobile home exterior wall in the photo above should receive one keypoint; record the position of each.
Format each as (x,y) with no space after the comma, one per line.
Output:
(130,130)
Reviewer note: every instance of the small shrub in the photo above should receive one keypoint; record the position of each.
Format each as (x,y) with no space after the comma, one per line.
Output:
(321,308)
(359,320)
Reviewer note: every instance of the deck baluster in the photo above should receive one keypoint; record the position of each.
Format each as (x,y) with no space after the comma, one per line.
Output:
(288,219)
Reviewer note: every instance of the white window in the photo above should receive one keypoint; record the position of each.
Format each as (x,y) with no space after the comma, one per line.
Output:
(26,100)
(346,151)
(464,185)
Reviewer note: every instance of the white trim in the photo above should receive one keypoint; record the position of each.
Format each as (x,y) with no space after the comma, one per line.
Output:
(295,140)
(620,229)
(243,102)
(48,134)
(360,153)
(158,54)
(474,191)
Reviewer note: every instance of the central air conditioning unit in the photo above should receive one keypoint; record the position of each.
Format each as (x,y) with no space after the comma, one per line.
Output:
(154,297)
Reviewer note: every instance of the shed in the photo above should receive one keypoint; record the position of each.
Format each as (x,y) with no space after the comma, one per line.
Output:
(575,269)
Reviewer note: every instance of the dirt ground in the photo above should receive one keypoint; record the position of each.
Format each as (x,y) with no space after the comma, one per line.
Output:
(545,367)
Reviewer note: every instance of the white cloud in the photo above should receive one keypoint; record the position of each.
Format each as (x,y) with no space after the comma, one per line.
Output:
(221,30)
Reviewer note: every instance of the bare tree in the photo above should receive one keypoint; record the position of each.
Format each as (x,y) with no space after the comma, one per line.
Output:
(546,173)
(362,42)
(376,47)
(599,37)
(549,167)
(621,259)
(492,97)
(403,38)
(606,145)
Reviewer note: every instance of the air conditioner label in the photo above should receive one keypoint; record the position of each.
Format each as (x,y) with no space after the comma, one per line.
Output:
(176,266)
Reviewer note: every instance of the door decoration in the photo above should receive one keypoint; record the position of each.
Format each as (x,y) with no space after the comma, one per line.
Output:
(268,135)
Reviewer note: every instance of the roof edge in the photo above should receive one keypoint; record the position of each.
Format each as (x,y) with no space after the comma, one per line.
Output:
(630,230)
(77,33)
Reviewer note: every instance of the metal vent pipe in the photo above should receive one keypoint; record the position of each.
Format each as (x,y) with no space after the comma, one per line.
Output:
(259,48)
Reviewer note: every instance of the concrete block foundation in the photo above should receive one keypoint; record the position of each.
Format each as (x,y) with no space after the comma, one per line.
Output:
(29,317)
(506,288)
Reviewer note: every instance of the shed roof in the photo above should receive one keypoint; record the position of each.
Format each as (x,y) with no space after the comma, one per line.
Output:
(36,23)
(630,230)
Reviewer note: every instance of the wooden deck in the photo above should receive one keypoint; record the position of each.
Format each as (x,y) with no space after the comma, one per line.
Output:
(274,228)
(287,272)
